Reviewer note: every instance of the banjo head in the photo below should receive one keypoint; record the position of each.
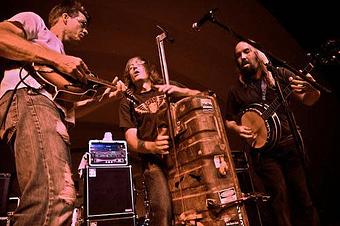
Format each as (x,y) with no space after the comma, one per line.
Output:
(254,121)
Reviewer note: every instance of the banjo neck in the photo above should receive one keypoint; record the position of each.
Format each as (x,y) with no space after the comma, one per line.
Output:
(287,91)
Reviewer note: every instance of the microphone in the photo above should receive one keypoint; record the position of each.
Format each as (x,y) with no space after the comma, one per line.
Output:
(208,16)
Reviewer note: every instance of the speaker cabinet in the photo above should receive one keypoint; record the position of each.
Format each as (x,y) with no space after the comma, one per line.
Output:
(4,185)
(122,221)
(108,192)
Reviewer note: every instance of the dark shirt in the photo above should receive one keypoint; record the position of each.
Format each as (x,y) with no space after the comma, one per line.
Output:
(147,113)
(242,95)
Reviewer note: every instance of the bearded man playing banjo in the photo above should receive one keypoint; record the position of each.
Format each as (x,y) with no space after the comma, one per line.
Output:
(254,113)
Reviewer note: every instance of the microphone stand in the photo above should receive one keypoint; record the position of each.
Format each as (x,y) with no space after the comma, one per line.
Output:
(291,119)
(316,85)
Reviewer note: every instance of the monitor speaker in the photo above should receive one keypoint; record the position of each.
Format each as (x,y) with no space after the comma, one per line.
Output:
(4,185)
(108,192)
(123,221)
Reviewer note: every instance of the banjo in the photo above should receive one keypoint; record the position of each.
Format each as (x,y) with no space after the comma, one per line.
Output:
(262,118)
(264,121)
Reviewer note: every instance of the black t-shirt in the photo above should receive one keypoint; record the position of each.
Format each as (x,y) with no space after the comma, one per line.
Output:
(242,95)
(147,112)
(147,115)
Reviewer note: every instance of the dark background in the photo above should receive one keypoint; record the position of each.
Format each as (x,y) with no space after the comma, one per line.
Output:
(204,60)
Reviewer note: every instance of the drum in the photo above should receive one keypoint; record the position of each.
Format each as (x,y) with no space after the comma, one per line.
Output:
(202,177)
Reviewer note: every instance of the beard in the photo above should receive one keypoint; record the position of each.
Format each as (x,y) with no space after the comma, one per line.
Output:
(248,72)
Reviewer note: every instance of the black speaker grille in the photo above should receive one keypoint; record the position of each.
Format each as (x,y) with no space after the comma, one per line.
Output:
(128,221)
(4,184)
(108,191)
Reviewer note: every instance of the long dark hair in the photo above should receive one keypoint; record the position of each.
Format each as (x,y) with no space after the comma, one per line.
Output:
(150,69)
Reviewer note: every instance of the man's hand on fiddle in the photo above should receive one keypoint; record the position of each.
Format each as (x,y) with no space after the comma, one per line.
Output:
(73,66)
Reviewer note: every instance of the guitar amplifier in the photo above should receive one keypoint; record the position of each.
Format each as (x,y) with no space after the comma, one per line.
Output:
(108,152)
(108,192)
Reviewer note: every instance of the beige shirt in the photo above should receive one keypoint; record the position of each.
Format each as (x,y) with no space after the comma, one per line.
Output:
(36,32)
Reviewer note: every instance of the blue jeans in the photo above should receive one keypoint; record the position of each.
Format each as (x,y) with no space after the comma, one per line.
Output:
(36,132)
(159,196)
